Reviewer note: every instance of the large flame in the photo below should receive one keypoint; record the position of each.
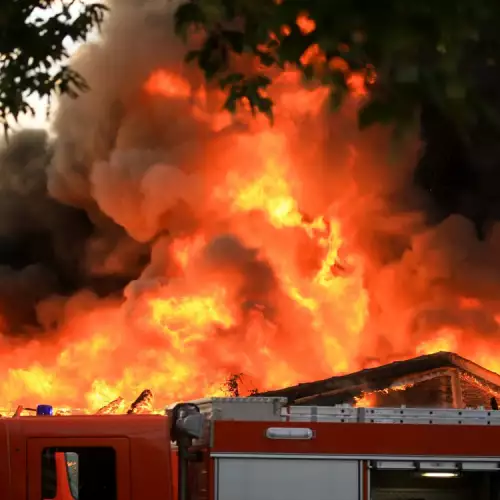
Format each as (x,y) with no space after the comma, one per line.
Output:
(259,287)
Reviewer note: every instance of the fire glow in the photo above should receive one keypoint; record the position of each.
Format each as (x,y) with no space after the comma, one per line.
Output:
(257,285)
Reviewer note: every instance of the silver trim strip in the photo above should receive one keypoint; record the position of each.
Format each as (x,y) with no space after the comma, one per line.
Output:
(369,482)
(405,458)
(216,480)
(360,479)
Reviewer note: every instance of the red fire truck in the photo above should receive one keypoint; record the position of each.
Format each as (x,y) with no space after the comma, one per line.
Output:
(254,449)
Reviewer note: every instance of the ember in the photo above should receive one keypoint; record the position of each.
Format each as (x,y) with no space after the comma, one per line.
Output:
(201,244)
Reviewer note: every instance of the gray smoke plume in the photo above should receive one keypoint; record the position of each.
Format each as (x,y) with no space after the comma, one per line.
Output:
(47,247)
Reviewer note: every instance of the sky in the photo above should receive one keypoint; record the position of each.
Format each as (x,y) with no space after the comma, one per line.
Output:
(39,120)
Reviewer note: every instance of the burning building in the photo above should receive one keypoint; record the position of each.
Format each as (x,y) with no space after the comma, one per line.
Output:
(440,380)
(154,240)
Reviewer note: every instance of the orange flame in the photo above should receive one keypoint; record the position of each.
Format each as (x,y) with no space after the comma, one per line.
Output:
(167,84)
(288,304)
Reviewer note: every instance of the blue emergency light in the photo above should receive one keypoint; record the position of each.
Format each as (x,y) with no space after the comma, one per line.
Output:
(44,410)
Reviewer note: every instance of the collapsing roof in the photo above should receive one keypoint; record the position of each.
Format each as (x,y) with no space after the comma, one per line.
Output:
(442,380)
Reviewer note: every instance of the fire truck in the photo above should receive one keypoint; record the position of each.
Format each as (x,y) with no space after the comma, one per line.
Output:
(253,448)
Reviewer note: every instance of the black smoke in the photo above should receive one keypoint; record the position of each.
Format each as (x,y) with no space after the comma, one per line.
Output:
(47,247)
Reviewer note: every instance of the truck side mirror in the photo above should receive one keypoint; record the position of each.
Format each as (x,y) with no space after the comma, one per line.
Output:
(186,422)
(191,425)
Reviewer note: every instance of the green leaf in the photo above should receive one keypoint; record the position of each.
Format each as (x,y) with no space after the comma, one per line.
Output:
(375,111)
(262,81)
(231,101)
(308,72)
(406,73)
(337,79)
(336,98)
(186,15)
(267,59)
(236,40)
(231,80)
(230,8)
(491,114)
(455,90)
(266,105)
(294,45)
(213,11)
(192,55)
(213,57)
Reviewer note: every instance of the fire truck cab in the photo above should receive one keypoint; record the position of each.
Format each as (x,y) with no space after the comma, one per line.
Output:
(111,457)
(254,449)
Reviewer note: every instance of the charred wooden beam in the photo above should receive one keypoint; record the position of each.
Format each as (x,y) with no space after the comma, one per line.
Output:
(112,407)
(143,404)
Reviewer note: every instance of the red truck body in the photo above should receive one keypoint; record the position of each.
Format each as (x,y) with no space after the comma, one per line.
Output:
(255,450)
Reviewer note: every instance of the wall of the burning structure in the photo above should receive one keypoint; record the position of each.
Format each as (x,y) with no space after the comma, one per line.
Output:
(474,395)
(436,392)
(456,390)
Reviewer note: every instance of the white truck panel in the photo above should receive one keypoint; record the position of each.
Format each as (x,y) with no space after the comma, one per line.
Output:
(290,479)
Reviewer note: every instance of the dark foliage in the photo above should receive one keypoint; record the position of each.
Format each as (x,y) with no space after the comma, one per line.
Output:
(233,387)
(32,38)
(416,50)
